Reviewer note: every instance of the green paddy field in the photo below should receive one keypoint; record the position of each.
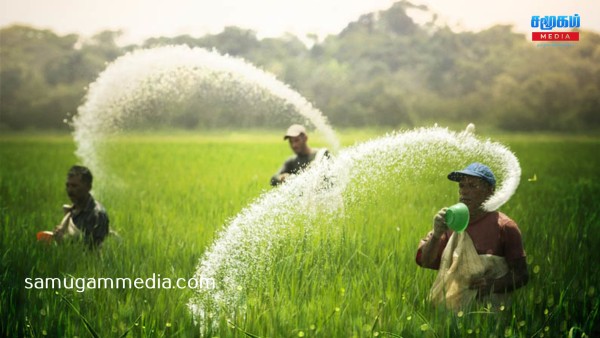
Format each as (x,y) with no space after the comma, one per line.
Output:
(169,195)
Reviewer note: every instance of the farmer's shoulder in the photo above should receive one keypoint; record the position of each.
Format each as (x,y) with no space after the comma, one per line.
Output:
(506,223)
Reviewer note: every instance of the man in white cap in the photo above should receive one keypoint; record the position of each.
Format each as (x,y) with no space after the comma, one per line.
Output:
(297,137)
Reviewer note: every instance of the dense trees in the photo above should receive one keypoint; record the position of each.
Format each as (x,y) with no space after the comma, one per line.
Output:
(43,76)
(382,69)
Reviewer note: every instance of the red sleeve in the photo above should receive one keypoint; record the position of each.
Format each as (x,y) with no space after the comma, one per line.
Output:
(512,241)
(436,263)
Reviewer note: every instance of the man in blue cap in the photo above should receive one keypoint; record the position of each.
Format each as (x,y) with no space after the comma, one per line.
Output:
(492,232)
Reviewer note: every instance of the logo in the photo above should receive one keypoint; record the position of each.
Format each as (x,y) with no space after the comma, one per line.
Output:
(548,23)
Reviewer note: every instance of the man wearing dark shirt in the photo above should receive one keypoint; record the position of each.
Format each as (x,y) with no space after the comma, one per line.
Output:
(297,137)
(86,216)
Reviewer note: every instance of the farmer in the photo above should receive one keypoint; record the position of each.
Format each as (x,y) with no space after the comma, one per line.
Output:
(85,217)
(297,137)
(491,233)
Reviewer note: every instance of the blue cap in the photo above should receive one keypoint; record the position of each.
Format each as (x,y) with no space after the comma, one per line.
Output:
(476,170)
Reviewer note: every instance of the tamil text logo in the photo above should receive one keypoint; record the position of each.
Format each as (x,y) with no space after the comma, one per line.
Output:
(548,23)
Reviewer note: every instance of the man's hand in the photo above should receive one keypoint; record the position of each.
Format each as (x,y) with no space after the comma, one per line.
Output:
(439,223)
(482,285)
(58,233)
(283,177)
(516,277)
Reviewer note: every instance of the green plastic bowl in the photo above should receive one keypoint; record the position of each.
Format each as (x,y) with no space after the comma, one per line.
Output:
(457,217)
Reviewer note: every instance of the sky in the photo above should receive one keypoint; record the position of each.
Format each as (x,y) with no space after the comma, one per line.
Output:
(141,19)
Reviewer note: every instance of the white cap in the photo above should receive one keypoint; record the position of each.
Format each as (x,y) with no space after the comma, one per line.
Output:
(294,130)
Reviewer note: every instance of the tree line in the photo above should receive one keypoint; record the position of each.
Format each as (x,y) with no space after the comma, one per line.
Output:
(383,69)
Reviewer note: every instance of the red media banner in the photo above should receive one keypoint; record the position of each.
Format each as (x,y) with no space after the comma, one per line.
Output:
(555,36)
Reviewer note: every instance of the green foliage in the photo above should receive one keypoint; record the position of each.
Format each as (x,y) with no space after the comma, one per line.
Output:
(43,76)
(382,70)
(170,194)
